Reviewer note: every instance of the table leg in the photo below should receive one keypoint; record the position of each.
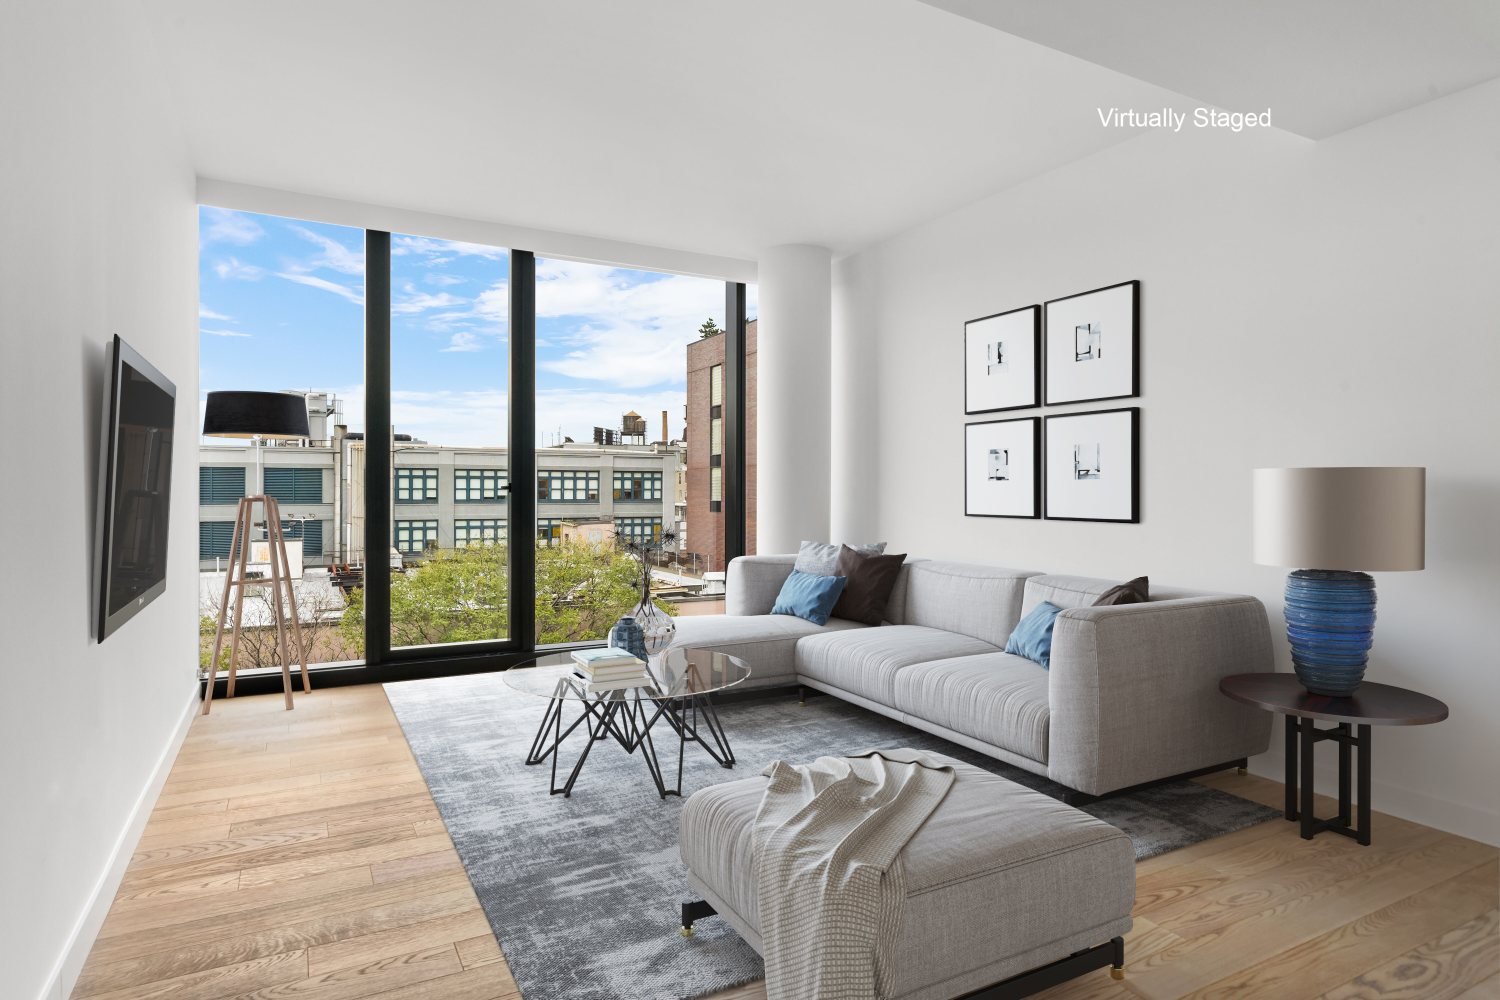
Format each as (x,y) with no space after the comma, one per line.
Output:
(1291,767)
(1309,741)
(1346,777)
(1364,785)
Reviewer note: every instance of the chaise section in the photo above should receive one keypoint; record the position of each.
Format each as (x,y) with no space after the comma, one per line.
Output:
(765,642)
(866,662)
(996,698)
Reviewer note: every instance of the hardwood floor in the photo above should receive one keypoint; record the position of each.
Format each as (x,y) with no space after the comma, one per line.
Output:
(299,855)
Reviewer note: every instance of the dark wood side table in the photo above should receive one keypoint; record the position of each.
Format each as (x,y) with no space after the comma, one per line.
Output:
(1372,705)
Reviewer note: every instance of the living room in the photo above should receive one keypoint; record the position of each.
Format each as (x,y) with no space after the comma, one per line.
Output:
(1297,286)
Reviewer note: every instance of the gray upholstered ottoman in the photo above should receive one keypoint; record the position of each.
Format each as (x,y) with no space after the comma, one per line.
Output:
(1001,882)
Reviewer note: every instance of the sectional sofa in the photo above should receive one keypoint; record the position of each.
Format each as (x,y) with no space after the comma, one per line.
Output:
(1131,696)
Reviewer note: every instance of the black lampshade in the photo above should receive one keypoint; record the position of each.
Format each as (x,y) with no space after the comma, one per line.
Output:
(255,414)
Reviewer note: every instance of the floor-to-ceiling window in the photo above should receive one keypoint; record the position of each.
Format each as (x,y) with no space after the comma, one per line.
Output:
(282,310)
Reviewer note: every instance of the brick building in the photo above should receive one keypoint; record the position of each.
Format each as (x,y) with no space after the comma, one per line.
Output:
(705,446)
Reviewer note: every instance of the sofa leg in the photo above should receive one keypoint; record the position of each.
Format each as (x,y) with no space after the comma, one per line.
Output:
(1117,967)
(694,909)
(1244,766)
(801,696)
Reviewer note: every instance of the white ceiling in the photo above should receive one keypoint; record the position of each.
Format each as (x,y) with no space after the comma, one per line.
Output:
(1321,66)
(700,125)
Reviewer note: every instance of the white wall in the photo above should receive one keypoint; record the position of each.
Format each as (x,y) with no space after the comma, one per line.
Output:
(97,237)
(1329,303)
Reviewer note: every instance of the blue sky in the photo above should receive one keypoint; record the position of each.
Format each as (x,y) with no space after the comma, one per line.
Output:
(282,307)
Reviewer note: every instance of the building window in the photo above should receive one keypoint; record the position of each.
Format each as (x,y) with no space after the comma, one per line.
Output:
(479,485)
(475,532)
(311,533)
(220,484)
(294,485)
(567,486)
(416,486)
(715,490)
(549,530)
(641,529)
(416,536)
(716,385)
(638,486)
(214,539)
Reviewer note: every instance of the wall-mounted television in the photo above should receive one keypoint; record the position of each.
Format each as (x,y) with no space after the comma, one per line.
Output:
(135,487)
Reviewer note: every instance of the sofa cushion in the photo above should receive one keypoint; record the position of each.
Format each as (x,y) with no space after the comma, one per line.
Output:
(764,642)
(1082,591)
(983,602)
(865,662)
(1000,879)
(999,698)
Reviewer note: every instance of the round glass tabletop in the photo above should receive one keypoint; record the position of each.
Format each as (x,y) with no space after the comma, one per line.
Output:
(673,673)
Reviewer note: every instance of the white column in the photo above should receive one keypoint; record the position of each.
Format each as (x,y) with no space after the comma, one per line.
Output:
(854,494)
(792,404)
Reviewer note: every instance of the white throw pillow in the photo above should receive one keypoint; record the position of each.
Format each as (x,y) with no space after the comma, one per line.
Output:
(820,557)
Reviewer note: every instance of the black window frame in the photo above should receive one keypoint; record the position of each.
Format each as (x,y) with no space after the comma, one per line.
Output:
(383,663)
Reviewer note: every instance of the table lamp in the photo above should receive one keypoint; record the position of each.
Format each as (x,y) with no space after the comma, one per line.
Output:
(1337,522)
(256,415)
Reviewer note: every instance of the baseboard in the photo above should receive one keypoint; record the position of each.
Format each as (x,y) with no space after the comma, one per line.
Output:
(1459,818)
(65,973)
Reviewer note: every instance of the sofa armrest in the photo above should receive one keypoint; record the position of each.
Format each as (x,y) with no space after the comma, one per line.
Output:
(1134,690)
(752,583)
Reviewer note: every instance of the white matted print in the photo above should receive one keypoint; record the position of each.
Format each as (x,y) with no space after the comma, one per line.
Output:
(1092,345)
(1093,466)
(1000,468)
(1002,366)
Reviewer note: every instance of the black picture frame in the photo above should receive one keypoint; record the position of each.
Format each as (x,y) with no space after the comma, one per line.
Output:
(1052,394)
(1035,440)
(1055,490)
(1036,363)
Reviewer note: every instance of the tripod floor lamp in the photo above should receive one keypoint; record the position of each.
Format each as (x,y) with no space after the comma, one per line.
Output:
(257,415)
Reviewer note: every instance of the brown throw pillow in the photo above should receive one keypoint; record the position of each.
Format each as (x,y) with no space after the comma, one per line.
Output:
(1135,592)
(868,586)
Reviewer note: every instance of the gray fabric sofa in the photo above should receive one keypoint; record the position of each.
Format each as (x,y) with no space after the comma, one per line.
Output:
(1132,694)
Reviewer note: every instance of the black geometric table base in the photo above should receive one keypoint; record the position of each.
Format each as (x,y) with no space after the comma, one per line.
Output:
(1301,737)
(628,720)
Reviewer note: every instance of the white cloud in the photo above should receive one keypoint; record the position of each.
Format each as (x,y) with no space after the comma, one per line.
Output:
(577,410)
(464,340)
(420,301)
(225,333)
(443,279)
(335,255)
(633,334)
(304,279)
(493,304)
(230,227)
(442,251)
(233,269)
(206,313)
(453,419)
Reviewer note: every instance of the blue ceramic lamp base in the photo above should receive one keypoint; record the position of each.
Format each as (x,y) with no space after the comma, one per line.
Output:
(1330,622)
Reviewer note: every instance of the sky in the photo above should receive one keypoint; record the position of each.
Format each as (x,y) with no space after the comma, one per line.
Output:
(282,307)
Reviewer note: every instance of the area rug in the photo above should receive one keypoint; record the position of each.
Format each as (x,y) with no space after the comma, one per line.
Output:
(583,893)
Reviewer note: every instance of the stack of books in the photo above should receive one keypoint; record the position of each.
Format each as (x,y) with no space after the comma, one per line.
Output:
(609,669)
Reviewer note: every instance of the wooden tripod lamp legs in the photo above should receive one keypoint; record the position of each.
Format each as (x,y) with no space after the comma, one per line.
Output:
(234,580)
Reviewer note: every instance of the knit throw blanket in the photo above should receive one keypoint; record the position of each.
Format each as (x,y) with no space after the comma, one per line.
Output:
(828,839)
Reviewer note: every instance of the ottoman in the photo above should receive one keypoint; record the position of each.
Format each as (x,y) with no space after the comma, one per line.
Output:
(1002,883)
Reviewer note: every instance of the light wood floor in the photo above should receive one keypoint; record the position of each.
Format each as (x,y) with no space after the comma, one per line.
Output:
(299,855)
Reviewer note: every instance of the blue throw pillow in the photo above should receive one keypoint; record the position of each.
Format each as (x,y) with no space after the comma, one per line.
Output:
(809,596)
(1033,635)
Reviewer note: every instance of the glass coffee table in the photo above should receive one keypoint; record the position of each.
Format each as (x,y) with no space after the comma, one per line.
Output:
(678,691)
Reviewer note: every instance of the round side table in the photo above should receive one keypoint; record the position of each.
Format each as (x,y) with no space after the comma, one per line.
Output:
(1372,705)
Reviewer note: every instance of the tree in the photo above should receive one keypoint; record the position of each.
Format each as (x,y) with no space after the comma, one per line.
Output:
(459,595)
(709,329)
(318,610)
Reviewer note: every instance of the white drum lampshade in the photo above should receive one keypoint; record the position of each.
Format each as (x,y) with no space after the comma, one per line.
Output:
(1347,518)
(1335,524)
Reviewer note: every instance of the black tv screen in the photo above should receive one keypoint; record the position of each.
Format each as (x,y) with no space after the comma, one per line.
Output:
(135,488)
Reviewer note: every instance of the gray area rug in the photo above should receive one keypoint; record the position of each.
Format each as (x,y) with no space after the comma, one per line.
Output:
(583,892)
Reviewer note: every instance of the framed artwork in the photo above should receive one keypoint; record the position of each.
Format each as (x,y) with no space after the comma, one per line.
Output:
(1093,466)
(1000,468)
(1093,345)
(1002,361)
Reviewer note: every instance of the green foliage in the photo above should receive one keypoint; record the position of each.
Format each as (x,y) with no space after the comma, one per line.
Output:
(459,595)
(208,625)
(709,328)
